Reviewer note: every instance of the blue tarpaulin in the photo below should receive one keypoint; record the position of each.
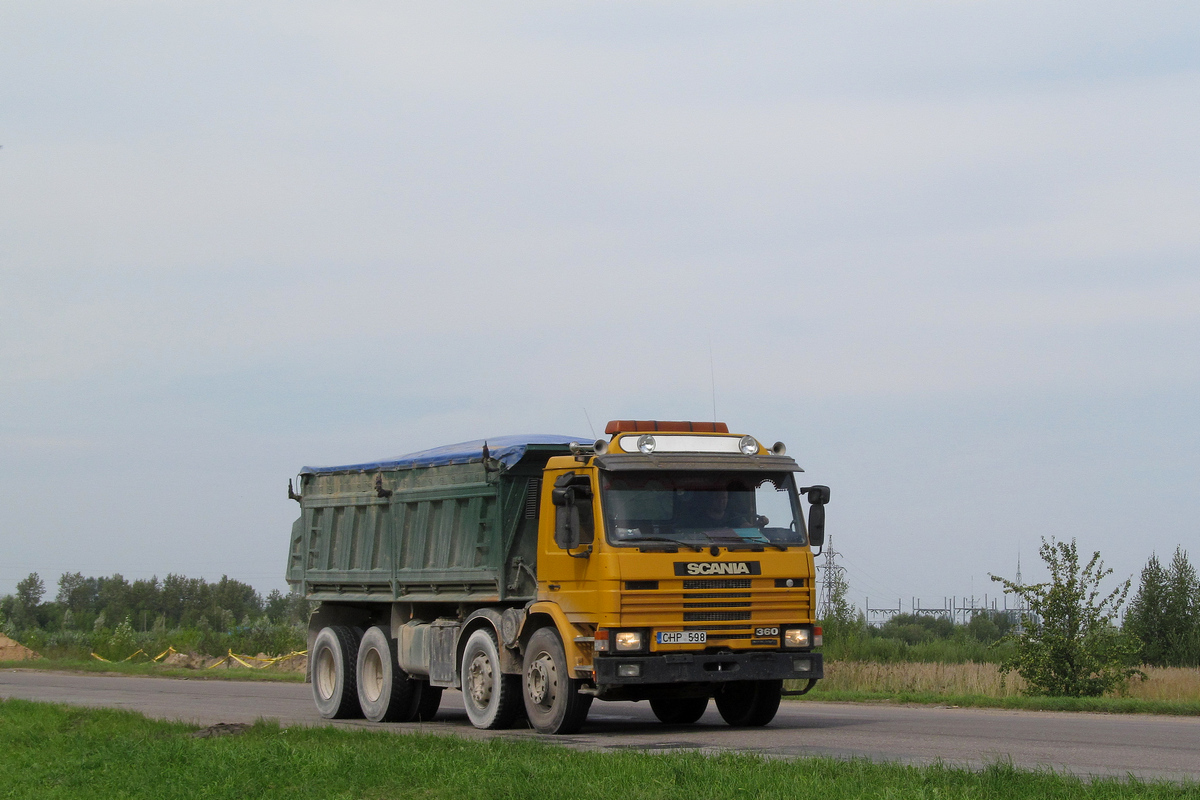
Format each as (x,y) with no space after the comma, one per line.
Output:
(508,450)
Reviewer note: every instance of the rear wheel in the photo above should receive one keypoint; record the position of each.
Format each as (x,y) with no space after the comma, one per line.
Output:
(491,698)
(679,710)
(385,691)
(334,668)
(552,699)
(749,703)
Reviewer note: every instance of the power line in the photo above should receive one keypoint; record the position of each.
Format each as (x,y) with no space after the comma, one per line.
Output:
(834,575)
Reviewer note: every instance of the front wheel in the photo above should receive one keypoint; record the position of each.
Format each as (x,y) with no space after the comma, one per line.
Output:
(334,671)
(678,710)
(746,704)
(552,699)
(492,699)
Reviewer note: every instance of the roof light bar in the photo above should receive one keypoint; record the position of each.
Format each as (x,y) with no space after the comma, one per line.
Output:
(663,426)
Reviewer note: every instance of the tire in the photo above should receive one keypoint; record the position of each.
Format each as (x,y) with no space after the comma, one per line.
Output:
(552,699)
(679,710)
(425,701)
(747,704)
(385,692)
(334,670)
(491,697)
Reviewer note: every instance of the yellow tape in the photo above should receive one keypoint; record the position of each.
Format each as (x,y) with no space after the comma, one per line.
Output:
(239,660)
(163,653)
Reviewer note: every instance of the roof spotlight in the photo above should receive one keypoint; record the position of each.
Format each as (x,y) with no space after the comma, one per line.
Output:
(646,443)
(748,445)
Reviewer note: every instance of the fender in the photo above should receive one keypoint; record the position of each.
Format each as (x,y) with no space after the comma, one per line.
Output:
(579,653)
(510,660)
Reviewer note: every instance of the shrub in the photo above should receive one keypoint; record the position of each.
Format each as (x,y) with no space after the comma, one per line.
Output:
(1070,645)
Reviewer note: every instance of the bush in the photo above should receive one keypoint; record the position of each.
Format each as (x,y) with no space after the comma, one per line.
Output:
(1071,646)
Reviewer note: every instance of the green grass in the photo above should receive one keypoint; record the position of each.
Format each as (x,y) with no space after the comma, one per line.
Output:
(155,670)
(1105,705)
(53,751)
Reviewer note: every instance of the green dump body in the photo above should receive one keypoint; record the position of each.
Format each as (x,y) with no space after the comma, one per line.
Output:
(400,532)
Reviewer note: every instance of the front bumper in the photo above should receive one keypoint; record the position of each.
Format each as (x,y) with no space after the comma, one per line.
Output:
(708,667)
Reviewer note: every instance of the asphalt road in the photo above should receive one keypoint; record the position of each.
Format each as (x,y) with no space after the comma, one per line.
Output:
(1086,744)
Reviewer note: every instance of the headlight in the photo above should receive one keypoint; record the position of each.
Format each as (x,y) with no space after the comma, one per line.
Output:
(797,637)
(748,445)
(627,641)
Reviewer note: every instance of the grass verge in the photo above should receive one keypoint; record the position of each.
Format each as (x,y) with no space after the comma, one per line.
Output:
(1103,705)
(54,751)
(155,670)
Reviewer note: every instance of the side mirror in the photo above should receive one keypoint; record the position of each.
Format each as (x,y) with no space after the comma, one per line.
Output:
(567,528)
(818,496)
(816,525)
(572,499)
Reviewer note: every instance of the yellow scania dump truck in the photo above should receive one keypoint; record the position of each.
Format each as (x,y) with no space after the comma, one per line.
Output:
(670,562)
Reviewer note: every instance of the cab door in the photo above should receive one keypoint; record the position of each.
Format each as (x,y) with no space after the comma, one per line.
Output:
(573,576)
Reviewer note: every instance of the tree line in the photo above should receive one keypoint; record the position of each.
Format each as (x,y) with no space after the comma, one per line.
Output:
(110,614)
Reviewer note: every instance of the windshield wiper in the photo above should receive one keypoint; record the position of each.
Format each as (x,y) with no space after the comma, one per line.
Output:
(678,542)
(738,543)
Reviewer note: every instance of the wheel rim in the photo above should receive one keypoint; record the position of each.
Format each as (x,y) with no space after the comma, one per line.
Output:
(479,680)
(542,679)
(372,677)
(326,673)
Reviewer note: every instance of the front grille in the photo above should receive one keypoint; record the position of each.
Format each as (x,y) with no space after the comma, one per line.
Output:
(715,616)
(693,603)
(730,583)
(711,628)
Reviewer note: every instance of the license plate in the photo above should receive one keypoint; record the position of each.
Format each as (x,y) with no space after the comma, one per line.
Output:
(682,637)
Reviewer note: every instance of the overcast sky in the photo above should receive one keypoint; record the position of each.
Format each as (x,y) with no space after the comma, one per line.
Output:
(948,252)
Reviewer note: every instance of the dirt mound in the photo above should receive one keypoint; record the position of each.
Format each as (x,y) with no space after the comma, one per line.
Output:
(12,651)
(296,663)
(185,661)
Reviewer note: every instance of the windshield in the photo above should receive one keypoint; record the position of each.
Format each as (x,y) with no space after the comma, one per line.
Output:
(700,509)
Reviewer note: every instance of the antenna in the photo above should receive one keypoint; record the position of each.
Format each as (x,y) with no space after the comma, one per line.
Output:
(712,374)
(589,419)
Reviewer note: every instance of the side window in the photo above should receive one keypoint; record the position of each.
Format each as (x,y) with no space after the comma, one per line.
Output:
(776,513)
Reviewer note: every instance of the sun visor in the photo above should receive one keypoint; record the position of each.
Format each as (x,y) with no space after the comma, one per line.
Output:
(627,462)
